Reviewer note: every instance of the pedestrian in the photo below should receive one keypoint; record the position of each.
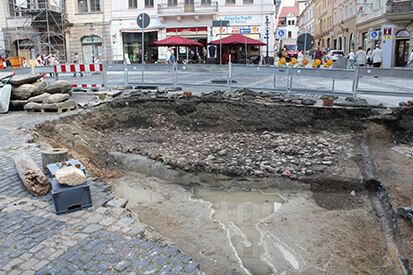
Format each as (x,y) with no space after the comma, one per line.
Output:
(369,62)
(8,63)
(318,53)
(39,60)
(2,63)
(351,57)
(377,57)
(300,57)
(76,60)
(361,57)
(411,59)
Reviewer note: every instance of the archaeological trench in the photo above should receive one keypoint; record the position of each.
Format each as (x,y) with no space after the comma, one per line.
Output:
(255,183)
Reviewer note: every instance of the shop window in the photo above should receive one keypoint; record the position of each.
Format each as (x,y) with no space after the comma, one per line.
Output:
(289,34)
(88,5)
(248,2)
(148,3)
(172,3)
(133,4)
(230,2)
(205,2)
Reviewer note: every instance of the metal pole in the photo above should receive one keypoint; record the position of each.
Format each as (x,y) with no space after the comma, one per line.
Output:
(104,74)
(246,51)
(93,50)
(125,76)
(334,83)
(220,42)
(305,45)
(268,36)
(355,82)
(143,39)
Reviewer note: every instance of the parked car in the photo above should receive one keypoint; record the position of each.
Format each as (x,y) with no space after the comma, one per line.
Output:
(334,55)
(292,51)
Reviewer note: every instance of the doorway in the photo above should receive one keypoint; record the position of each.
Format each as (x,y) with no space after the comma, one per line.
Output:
(402,52)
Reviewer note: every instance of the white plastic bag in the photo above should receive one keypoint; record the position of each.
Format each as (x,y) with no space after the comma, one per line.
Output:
(5,93)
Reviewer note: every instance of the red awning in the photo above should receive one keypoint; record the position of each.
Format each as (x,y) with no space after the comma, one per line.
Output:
(176,41)
(238,39)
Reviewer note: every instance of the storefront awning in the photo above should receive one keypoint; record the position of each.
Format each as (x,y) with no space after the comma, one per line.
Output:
(140,30)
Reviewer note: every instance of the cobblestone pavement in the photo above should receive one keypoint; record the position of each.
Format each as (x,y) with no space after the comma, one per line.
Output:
(100,239)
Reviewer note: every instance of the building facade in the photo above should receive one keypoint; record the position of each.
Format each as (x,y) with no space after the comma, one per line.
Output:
(287,21)
(191,19)
(323,34)
(306,20)
(32,27)
(344,25)
(89,32)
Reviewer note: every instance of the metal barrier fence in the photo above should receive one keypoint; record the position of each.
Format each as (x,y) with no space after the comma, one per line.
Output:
(341,82)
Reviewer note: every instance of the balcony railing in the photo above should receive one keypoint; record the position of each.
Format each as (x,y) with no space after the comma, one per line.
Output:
(399,6)
(180,8)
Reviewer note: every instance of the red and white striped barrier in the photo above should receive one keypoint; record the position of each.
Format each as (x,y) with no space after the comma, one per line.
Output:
(88,85)
(74,68)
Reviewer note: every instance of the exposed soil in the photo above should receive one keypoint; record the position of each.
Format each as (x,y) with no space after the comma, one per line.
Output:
(327,225)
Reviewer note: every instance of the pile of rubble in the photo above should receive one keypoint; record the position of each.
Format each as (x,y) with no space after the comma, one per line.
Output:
(246,153)
(30,94)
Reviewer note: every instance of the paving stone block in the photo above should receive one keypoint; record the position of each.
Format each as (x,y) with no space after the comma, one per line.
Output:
(171,251)
(87,257)
(92,228)
(162,260)
(11,265)
(164,270)
(102,267)
(141,263)
(191,266)
(125,222)
(56,269)
(186,259)
(177,269)
(122,265)
(40,265)
(99,258)
(28,264)
(155,251)
(146,244)
(112,259)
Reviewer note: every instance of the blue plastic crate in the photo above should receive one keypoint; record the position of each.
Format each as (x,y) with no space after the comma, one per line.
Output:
(68,199)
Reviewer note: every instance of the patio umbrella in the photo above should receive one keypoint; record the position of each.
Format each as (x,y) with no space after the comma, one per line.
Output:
(238,39)
(176,41)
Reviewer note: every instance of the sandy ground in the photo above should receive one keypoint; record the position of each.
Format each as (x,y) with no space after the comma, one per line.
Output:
(301,237)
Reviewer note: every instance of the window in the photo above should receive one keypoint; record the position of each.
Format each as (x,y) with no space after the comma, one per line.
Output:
(248,1)
(133,4)
(345,12)
(205,2)
(88,5)
(289,34)
(82,5)
(291,22)
(351,9)
(94,5)
(148,3)
(172,3)
(229,2)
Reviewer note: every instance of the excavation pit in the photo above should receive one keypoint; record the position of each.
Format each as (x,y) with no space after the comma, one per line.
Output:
(180,159)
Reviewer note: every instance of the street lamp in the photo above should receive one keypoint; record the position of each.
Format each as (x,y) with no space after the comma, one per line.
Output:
(93,44)
(267,35)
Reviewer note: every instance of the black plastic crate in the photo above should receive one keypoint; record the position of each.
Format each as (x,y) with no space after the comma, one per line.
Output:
(52,168)
(68,199)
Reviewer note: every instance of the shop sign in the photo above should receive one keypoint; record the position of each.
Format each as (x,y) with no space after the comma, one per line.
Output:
(361,9)
(403,33)
(242,19)
(244,30)
(387,33)
(187,31)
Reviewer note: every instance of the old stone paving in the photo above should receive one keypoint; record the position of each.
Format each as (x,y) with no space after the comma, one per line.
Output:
(100,239)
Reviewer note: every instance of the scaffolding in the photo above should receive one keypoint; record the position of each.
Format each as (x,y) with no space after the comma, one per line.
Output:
(39,27)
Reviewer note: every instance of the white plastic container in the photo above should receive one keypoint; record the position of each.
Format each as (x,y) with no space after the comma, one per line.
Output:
(5,93)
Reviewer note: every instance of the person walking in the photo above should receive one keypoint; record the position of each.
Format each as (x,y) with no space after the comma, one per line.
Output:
(377,57)
(361,57)
(369,61)
(411,59)
(76,60)
(8,63)
(318,54)
(351,58)
(300,57)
